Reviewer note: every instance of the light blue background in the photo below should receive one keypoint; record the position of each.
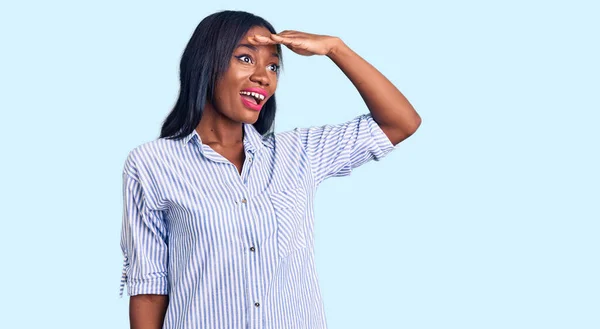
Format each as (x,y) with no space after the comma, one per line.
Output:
(487,217)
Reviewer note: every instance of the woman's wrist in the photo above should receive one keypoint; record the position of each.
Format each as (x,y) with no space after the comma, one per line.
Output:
(336,45)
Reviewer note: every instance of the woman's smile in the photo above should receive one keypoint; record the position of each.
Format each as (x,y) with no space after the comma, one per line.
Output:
(253,98)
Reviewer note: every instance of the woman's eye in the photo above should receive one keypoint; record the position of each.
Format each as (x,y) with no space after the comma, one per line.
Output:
(248,59)
(243,57)
(275,67)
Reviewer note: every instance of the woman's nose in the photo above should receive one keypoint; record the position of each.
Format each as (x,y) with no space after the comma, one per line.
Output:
(260,77)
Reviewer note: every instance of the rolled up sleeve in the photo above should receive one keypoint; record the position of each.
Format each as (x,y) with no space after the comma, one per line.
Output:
(143,243)
(334,150)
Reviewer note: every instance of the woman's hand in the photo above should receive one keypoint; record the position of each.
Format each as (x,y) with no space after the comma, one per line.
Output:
(301,43)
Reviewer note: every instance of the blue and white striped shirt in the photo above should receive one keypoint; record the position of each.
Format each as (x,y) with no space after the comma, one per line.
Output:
(235,251)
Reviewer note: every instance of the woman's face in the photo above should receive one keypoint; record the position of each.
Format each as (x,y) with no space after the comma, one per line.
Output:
(250,80)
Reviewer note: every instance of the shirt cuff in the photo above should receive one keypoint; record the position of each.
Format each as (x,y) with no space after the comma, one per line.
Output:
(158,286)
(380,139)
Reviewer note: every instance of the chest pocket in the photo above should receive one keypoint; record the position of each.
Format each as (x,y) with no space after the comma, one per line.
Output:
(288,205)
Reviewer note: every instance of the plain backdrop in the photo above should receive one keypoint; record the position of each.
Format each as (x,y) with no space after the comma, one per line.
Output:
(487,217)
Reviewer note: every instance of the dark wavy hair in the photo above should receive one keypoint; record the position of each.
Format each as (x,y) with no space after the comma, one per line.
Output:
(205,58)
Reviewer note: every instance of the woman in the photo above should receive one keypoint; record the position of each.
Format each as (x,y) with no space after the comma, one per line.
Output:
(218,212)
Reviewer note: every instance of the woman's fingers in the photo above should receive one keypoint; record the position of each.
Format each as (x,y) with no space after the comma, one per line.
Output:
(288,33)
(275,39)
(286,40)
(260,38)
(297,43)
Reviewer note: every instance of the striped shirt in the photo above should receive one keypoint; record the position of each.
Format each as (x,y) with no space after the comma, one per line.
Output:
(235,251)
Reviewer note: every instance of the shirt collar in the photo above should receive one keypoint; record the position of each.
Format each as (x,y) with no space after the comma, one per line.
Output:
(253,140)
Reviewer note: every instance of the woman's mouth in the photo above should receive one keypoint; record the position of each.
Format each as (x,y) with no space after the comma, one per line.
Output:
(252,100)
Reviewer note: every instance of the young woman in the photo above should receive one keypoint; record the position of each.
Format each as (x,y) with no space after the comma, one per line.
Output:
(218,212)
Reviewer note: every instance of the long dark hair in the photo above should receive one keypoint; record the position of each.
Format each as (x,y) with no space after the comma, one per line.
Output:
(205,58)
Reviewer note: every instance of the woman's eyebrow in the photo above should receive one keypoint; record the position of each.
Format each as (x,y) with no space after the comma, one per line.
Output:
(253,47)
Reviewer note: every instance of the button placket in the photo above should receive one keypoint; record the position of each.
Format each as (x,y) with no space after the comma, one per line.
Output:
(241,201)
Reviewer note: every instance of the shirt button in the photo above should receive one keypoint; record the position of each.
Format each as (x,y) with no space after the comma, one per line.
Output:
(252,249)
(244,200)
(256,304)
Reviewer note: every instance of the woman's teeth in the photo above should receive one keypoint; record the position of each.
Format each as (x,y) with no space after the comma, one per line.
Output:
(259,98)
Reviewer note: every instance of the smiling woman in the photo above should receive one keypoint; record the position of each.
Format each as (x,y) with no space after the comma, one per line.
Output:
(218,227)
(217,46)
(254,65)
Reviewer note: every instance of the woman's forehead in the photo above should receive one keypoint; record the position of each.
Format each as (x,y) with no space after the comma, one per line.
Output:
(258,30)
(244,43)
(259,48)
